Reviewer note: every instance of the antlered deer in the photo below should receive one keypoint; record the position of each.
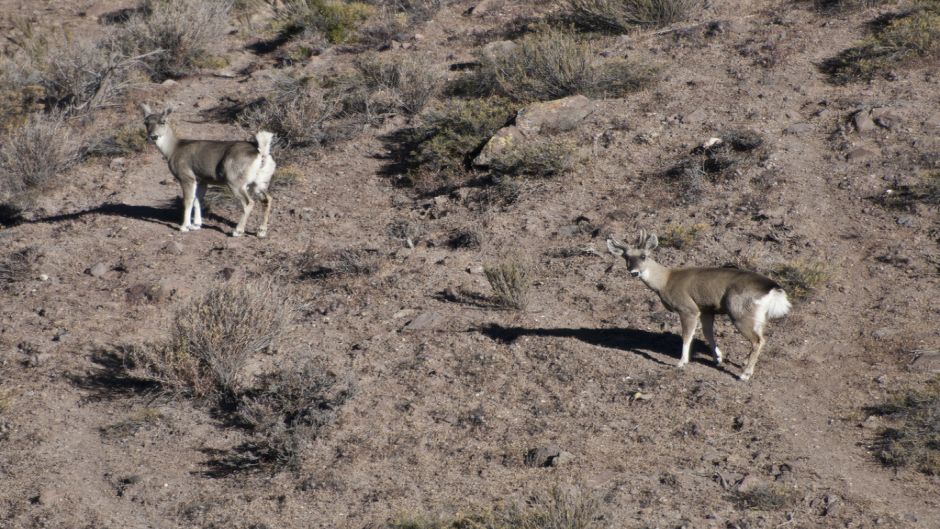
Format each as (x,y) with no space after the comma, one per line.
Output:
(245,167)
(748,298)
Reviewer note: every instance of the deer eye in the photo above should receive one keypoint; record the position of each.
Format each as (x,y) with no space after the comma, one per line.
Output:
(642,256)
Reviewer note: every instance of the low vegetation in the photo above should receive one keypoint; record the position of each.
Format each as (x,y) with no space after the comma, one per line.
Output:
(723,160)
(128,139)
(34,158)
(183,32)
(847,5)
(898,40)
(19,265)
(554,63)
(510,281)
(680,236)
(332,20)
(297,112)
(766,497)
(621,16)
(213,337)
(555,509)
(347,262)
(801,278)
(535,159)
(913,440)
(407,83)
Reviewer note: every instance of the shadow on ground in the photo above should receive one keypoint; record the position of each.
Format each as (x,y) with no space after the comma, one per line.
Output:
(167,215)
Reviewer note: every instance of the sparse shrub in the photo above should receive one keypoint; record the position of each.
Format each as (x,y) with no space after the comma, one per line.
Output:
(535,159)
(34,158)
(899,40)
(386,26)
(19,265)
(620,16)
(553,63)
(766,497)
(137,421)
(6,401)
(185,31)
(914,440)
(679,236)
(450,137)
(212,338)
(802,277)
(348,262)
(336,21)
(467,238)
(297,113)
(411,81)
(127,140)
(724,160)
(405,231)
(846,5)
(510,282)
(288,409)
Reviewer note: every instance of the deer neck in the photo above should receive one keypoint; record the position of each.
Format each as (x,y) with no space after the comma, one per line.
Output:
(655,276)
(167,143)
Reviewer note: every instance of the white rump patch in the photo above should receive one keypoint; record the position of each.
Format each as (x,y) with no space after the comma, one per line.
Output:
(772,305)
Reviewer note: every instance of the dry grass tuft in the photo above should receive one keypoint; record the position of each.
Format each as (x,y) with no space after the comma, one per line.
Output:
(409,82)
(297,113)
(902,39)
(914,440)
(127,140)
(766,497)
(680,236)
(621,16)
(801,278)
(333,20)
(510,282)
(536,159)
(348,262)
(18,266)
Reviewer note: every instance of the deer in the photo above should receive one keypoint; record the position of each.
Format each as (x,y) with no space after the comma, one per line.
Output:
(245,167)
(698,294)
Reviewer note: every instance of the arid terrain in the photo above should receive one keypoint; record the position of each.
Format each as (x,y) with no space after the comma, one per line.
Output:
(454,406)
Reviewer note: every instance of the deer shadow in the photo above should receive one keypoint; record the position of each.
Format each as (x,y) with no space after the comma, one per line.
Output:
(637,341)
(168,214)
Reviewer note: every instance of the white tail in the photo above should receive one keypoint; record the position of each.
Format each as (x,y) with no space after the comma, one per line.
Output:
(242,166)
(698,294)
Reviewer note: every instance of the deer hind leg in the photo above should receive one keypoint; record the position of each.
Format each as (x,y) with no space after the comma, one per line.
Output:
(197,206)
(263,230)
(241,193)
(753,330)
(689,323)
(189,198)
(708,327)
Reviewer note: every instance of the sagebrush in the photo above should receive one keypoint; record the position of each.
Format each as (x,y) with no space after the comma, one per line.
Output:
(510,281)
(620,16)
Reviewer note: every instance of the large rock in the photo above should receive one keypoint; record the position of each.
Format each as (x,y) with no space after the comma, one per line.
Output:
(927,362)
(504,139)
(554,116)
(498,48)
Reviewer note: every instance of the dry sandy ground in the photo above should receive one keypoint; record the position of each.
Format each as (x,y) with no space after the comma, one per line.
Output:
(442,418)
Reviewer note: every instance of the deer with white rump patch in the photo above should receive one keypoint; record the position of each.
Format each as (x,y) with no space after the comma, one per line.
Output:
(748,298)
(245,167)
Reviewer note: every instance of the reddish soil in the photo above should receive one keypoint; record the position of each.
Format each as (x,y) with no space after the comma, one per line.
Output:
(442,418)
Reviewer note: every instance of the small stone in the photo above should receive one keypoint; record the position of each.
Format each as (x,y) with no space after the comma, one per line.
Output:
(477,270)
(498,48)
(117,164)
(696,116)
(173,247)
(859,154)
(906,220)
(425,321)
(43,277)
(927,362)
(559,115)
(98,270)
(885,118)
(881,334)
(168,82)
(547,456)
(562,459)
(862,121)
(403,313)
(145,293)
(750,482)
(799,129)
(501,142)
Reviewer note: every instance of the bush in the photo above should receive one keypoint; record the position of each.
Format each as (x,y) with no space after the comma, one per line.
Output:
(411,82)
(801,278)
(127,140)
(535,159)
(914,441)
(334,20)
(553,63)
(348,262)
(185,30)
(289,408)
(678,236)
(297,113)
(18,266)
(213,337)
(899,40)
(846,5)
(450,137)
(510,283)
(769,497)
(34,157)
(620,16)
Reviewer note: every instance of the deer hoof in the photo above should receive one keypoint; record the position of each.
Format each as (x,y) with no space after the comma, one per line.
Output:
(185,228)
(237,233)
(681,364)
(262,233)
(195,227)
(745,376)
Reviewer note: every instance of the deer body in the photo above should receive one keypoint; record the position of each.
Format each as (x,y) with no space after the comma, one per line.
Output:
(698,294)
(245,167)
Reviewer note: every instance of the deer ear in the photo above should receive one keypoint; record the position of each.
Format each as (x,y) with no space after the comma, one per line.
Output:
(166,110)
(145,108)
(651,242)
(613,247)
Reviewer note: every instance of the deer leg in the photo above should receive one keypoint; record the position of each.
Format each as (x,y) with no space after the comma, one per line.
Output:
(708,327)
(263,230)
(689,323)
(197,206)
(753,331)
(247,205)
(189,197)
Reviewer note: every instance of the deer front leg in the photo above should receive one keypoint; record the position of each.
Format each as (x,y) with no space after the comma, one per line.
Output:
(197,206)
(689,324)
(247,205)
(708,327)
(189,198)
(263,230)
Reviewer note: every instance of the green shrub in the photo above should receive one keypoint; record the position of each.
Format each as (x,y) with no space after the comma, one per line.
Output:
(535,159)
(914,439)
(620,16)
(510,282)
(801,278)
(185,31)
(450,137)
(901,40)
(335,20)
(680,236)
(553,63)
